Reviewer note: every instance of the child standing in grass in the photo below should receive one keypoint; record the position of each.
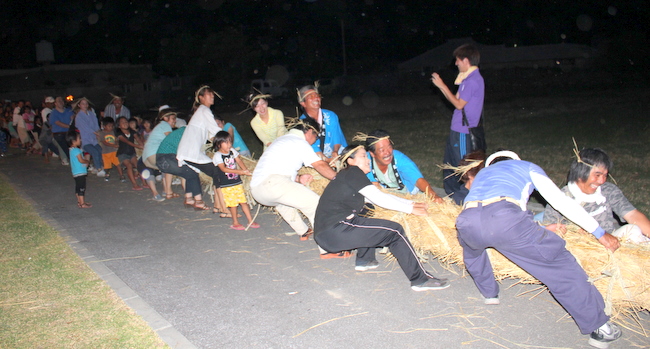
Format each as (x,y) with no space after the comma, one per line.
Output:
(228,161)
(79,166)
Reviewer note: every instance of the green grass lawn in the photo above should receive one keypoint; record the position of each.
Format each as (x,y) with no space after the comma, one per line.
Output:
(49,297)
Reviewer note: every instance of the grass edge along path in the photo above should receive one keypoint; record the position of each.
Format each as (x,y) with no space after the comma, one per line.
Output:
(49,297)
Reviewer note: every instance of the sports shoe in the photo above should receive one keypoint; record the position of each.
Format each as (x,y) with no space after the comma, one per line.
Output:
(159,198)
(431,284)
(604,335)
(101,173)
(122,179)
(176,181)
(365,267)
(65,163)
(342,254)
(159,178)
(54,155)
(492,301)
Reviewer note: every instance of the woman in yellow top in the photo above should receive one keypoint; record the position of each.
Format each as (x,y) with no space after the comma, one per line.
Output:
(268,123)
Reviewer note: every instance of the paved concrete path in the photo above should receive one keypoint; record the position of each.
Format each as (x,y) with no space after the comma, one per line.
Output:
(200,284)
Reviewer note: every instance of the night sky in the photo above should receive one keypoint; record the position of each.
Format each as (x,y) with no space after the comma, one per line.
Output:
(241,38)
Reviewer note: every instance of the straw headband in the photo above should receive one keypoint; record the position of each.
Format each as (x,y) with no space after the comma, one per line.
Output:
(344,157)
(293,122)
(502,153)
(115,97)
(579,159)
(301,98)
(196,95)
(75,104)
(253,100)
(460,171)
(362,137)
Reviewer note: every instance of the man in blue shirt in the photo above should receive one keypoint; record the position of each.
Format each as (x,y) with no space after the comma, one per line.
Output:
(60,118)
(331,138)
(495,215)
(392,169)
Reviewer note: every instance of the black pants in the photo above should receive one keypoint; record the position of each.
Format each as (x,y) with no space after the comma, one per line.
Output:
(60,138)
(80,185)
(367,234)
(209,169)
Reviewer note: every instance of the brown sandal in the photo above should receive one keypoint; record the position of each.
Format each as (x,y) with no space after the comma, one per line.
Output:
(172,196)
(199,205)
(189,203)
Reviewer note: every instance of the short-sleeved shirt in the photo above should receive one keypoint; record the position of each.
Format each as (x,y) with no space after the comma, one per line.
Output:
(123,147)
(333,133)
(169,145)
(155,138)
(227,179)
(407,169)
(108,137)
(77,168)
(472,91)
(62,117)
(284,157)
(603,212)
(341,198)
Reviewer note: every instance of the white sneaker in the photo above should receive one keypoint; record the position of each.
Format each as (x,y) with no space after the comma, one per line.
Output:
(176,181)
(65,163)
(101,173)
(492,301)
(604,335)
(159,178)
(54,155)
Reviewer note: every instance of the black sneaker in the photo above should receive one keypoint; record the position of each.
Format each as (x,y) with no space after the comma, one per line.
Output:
(604,335)
(432,284)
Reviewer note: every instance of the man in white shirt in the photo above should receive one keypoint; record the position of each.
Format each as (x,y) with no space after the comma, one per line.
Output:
(276,182)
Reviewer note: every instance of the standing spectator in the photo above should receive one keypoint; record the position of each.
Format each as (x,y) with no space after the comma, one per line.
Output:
(268,123)
(468,101)
(116,108)
(331,138)
(78,165)
(88,126)
(60,118)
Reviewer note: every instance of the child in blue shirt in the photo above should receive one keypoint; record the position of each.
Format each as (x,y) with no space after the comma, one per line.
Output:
(79,167)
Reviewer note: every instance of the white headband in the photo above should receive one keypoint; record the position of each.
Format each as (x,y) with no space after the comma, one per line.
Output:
(502,153)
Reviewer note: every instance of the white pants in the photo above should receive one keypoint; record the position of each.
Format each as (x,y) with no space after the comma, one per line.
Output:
(289,199)
(632,233)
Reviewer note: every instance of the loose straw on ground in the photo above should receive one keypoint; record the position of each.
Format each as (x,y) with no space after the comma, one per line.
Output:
(330,320)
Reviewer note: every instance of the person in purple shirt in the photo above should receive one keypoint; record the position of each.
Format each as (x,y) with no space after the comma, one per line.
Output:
(495,215)
(469,99)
